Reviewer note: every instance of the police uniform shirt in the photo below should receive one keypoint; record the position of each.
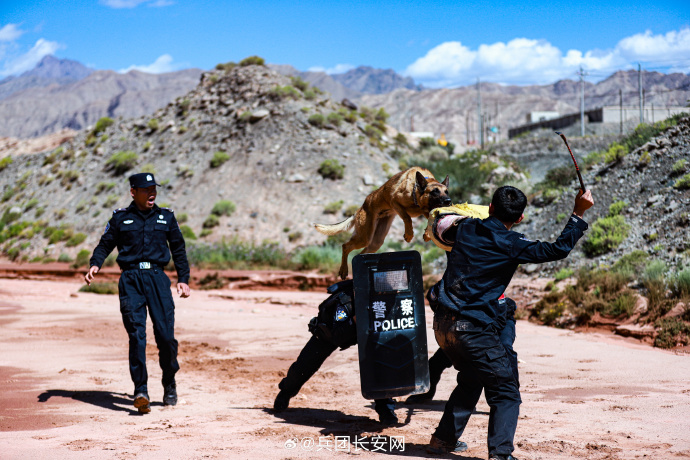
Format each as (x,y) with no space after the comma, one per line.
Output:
(142,237)
(483,260)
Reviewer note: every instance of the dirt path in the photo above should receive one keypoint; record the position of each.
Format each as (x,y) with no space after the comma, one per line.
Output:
(65,386)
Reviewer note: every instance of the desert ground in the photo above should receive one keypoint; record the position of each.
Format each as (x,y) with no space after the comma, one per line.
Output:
(66,391)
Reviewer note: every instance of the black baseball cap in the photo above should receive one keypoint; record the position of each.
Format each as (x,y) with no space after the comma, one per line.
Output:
(142,180)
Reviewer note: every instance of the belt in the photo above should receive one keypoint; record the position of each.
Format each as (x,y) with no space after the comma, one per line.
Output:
(142,266)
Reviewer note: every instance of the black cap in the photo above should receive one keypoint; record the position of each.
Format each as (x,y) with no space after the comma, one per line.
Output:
(142,180)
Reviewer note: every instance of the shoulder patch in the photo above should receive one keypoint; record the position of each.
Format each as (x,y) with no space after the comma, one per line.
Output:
(119,210)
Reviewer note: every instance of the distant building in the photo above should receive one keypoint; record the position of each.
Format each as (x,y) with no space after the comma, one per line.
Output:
(421,134)
(607,114)
(534,117)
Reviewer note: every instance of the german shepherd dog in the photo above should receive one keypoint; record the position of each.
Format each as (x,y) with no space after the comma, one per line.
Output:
(410,193)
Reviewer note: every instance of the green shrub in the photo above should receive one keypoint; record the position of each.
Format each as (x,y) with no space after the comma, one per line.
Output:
(617,207)
(564,273)
(298,83)
(284,92)
(683,183)
(645,159)
(223,208)
(671,332)
(75,240)
(309,95)
(104,187)
(67,177)
(31,204)
(82,259)
(5,162)
(110,201)
(332,169)
(294,236)
(100,287)
(631,264)
(152,124)
(351,210)
(333,208)
(680,283)
(147,146)
(211,221)
(317,120)
(679,166)
(64,258)
(616,152)
(187,232)
(148,168)
(121,162)
(237,254)
(182,218)
(219,158)
(607,233)
(102,124)
(185,171)
(252,60)
(326,259)
(334,118)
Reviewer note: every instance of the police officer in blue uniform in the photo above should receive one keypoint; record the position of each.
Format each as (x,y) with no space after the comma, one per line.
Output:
(145,235)
(470,314)
(333,328)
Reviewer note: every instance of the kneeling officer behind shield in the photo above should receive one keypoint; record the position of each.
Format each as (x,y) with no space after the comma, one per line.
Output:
(142,233)
(333,328)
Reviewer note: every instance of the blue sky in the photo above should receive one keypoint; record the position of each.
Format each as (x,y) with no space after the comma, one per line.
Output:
(438,43)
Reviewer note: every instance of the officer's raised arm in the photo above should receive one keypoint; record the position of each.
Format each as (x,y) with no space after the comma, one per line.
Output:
(104,248)
(179,256)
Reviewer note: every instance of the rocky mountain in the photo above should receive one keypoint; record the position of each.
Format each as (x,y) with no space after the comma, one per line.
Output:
(244,135)
(368,80)
(656,209)
(37,110)
(49,71)
(454,111)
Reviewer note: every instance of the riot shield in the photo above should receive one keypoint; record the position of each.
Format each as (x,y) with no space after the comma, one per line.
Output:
(391,326)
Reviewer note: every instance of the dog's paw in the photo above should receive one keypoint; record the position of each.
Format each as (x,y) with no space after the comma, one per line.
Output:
(427,237)
(408,237)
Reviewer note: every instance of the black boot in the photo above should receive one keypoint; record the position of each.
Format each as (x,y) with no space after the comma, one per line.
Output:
(282,402)
(170,394)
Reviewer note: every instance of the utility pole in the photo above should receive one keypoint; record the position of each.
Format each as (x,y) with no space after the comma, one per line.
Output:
(582,75)
(620,105)
(644,95)
(639,88)
(479,115)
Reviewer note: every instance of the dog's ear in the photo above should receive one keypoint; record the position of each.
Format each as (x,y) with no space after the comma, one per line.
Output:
(421,181)
(446,181)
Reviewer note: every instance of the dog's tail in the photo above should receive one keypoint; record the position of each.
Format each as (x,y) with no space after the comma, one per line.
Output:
(335,228)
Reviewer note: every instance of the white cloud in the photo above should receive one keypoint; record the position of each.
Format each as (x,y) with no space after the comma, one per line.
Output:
(10,33)
(525,61)
(29,60)
(120,4)
(163,64)
(338,68)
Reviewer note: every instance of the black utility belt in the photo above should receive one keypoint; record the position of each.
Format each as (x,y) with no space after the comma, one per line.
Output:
(142,266)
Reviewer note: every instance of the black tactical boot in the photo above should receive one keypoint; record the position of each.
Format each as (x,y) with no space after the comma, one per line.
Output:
(282,402)
(422,397)
(502,457)
(170,395)
(141,402)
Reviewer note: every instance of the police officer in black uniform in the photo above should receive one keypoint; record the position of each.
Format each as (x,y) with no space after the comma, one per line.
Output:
(142,233)
(333,328)
(469,315)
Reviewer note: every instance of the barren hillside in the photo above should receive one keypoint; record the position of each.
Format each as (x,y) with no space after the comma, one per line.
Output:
(267,160)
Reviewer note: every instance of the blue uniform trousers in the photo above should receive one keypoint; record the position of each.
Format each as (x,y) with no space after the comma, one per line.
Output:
(308,362)
(483,362)
(139,289)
